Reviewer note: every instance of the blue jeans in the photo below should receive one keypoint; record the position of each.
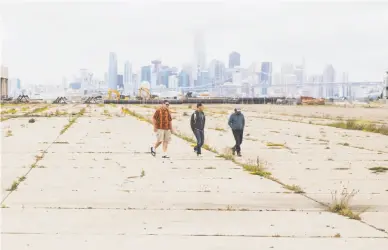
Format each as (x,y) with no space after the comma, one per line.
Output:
(200,136)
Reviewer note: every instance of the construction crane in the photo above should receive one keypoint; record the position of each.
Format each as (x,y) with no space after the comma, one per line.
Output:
(144,93)
(117,94)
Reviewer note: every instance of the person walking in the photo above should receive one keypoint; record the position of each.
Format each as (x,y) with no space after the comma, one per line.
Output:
(237,124)
(162,122)
(198,125)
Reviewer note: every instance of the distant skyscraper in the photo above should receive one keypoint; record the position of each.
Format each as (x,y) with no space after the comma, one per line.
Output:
(299,73)
(203,78)
(127,78)
(216,71)
(156,65)
(173,82)
(184,79)
(146,74)
(287,69)
(120,82)
(112,72)
(234,59)
(329,77)
(329,74)
(199,53)
(164,76)
(266,73)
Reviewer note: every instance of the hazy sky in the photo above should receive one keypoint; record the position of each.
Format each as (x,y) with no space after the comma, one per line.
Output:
(42,42)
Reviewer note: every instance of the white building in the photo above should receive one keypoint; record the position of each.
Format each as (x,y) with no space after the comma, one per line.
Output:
(127,78)
(217,71)
(112,71)
(173,82)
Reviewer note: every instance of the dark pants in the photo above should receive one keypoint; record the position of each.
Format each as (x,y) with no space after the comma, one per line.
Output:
(238,136)
(200,136)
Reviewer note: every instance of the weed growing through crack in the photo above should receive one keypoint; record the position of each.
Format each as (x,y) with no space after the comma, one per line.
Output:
(295,188)
(341,204)
(16,183)
(272,144)
(142,174)
(337,235)
(379,169)
(256,168)
(9,111)
(344,144)
(220,129)
(9,133)
(227,154)
(4,206)
(39,110)
(210,168)
(72,120)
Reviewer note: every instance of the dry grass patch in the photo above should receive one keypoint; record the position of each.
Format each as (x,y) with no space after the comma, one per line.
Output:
(9,111)
(39,110)
(341,204)
(16,183)
(227,154)
(379,169)
(295,188)
(8,133)
(362,126)
(256,168)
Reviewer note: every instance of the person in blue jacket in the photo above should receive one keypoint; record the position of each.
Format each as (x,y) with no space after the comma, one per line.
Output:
(237,124)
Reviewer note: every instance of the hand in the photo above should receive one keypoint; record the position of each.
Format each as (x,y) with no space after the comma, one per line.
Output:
(172,131)
(155,130)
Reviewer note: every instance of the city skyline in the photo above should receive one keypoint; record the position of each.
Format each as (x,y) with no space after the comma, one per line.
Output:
(253,32)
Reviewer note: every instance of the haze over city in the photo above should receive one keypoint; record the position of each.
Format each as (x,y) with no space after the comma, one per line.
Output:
(42,42)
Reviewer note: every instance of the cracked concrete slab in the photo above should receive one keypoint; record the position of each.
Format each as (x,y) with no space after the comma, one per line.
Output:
(98,183)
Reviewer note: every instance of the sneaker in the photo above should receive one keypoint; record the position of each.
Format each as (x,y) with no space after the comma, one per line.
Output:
(195,149)
(233,151)
(199,155)
(238,154)
(153,153)
(165,157)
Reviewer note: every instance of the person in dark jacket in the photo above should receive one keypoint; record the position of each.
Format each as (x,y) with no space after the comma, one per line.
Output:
(198,125)
(237,124)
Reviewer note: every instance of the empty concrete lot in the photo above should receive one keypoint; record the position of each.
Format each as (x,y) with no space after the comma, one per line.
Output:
(81,177)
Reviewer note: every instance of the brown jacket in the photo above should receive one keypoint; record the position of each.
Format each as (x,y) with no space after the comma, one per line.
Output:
(162,117)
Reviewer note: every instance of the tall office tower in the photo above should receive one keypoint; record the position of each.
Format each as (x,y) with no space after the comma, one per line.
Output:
(266,73)
(120,82)
(345,77)
(127,78)
(184,79)
(286,70)
(173,82)
(156,64)
(145,74)
(135,83)
(188,69)
(328,80)
(216,71)
(112,71)
(329,74)
(299,73)
(199,54)
(234,59)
